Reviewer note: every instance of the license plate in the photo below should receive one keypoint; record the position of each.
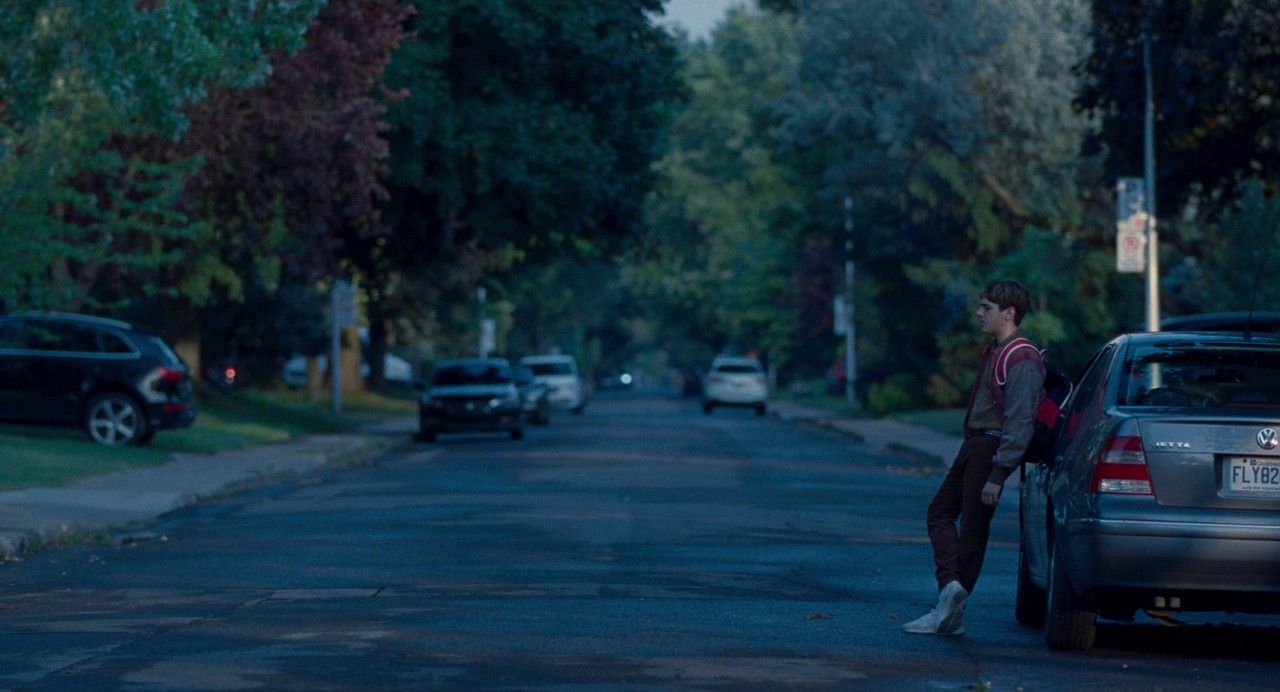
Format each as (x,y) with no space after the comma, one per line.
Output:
(1251,475)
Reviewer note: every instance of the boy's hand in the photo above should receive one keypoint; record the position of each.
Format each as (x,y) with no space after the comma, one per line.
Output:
(991,494)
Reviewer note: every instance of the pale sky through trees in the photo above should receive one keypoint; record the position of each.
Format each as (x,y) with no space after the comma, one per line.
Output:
(697,17)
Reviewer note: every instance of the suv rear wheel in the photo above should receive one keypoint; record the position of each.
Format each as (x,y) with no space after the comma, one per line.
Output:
(116,420)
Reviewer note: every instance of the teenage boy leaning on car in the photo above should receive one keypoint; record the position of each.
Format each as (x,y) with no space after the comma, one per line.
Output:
(997,429)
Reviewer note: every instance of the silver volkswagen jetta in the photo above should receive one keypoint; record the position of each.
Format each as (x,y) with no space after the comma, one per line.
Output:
(1162,491)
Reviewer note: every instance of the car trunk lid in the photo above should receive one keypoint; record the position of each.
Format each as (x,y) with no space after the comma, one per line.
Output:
(1213,463)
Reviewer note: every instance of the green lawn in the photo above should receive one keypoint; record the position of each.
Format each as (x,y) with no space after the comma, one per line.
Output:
(943,420)
(35,456)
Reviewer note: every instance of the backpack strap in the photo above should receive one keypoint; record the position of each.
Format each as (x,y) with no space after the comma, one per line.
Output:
(1006,354)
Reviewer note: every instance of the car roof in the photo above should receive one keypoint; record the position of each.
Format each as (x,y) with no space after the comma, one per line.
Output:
(1203,337)
(92,320)
(548,358)
(736,359)
(1259,321)
(473,361)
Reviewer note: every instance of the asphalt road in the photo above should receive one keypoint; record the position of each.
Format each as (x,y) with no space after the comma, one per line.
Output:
(641,545)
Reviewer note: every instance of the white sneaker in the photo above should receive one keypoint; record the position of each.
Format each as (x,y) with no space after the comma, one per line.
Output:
(951,607)
(925,624)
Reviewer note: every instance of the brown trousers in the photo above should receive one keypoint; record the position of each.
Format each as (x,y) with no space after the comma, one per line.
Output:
(958,553)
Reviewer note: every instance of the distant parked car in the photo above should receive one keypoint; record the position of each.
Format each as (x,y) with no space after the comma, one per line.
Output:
(397,370)
(119,383)
(470,395)
(735,382)
(560,373)
(1162,491)
(534,396)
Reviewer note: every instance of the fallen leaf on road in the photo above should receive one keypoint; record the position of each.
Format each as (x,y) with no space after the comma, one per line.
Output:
(819,616)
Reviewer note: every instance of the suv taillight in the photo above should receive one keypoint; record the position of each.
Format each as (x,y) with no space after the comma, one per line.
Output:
(1122,468)
(170,374)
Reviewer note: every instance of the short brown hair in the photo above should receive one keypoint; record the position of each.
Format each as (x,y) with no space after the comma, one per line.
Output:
(1007,293)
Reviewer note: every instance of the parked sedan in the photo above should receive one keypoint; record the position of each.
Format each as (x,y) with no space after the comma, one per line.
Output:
(735,382)
(119,383)
(535,397)
(560,373)
(1163,488)
(470,395)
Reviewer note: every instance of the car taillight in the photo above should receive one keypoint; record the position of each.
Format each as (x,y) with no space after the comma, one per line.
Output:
(170,374)
(1122,468)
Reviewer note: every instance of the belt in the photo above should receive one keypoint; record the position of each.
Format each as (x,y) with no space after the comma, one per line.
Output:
(988,432)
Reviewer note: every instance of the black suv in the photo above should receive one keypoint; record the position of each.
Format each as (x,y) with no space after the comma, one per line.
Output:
(119,383)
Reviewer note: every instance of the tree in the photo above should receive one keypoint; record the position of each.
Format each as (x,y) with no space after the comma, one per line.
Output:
(1216,79)
(527,130)
(75,73)
(950,125)
(723,222)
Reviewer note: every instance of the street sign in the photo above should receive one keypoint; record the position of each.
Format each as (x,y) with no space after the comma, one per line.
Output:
(344,304)
(840,316)
(1131,226)
(488,337)
(1131,246)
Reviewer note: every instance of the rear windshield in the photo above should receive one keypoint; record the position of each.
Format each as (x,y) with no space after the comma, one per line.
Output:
(551,368)
(473,373)
(166,354)
(1202,376)
(737,368)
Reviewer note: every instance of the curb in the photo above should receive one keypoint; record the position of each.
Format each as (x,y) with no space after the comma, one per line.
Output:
(15,542)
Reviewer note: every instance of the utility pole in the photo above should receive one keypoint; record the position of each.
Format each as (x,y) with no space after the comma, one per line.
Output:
(481,296)
(850,356)
(1149,174)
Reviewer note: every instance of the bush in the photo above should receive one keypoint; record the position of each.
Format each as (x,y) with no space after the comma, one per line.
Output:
(898,392)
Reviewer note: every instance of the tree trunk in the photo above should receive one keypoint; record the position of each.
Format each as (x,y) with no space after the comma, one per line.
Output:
(377,346)
(350,361)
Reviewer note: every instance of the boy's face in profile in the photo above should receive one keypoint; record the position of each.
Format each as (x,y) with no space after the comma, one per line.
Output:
(991,319)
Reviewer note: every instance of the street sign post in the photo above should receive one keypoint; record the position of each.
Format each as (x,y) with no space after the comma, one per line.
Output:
(342,313)
(1131,226)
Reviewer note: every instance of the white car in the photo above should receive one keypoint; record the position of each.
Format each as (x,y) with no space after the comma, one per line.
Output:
(397,370)
(736,382)
(560,373)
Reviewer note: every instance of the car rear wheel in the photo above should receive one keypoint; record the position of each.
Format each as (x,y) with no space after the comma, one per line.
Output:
(1069,622)
(115,420)
(517,433)
(708,407)
(761,409)
(1029,602)
(426,435)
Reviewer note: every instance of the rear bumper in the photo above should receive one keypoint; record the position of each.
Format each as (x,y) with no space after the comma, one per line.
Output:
(736,396)
(166,416)
(1173,556)
(492,422)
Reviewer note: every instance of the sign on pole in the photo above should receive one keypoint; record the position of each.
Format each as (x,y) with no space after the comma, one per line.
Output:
(840,316)
(1131,220)
(488,336)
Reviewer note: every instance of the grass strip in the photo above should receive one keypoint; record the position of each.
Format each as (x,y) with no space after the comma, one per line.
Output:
(39,456)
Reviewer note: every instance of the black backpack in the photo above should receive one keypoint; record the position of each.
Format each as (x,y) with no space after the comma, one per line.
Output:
(1057,387)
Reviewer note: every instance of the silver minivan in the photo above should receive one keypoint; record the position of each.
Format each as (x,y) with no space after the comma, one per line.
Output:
(1163,488)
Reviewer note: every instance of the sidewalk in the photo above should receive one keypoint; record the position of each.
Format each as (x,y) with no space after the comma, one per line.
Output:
(32,518)
(880,433)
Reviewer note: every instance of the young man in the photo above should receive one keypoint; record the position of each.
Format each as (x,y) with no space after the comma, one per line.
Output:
(997,429)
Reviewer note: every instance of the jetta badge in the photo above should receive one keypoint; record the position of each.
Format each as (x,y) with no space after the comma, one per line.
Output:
(1268,438)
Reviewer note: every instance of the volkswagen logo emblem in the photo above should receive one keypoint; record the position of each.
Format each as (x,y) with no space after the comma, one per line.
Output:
(1268,438)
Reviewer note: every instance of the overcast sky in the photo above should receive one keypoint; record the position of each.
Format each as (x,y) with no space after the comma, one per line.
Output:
(698,17)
